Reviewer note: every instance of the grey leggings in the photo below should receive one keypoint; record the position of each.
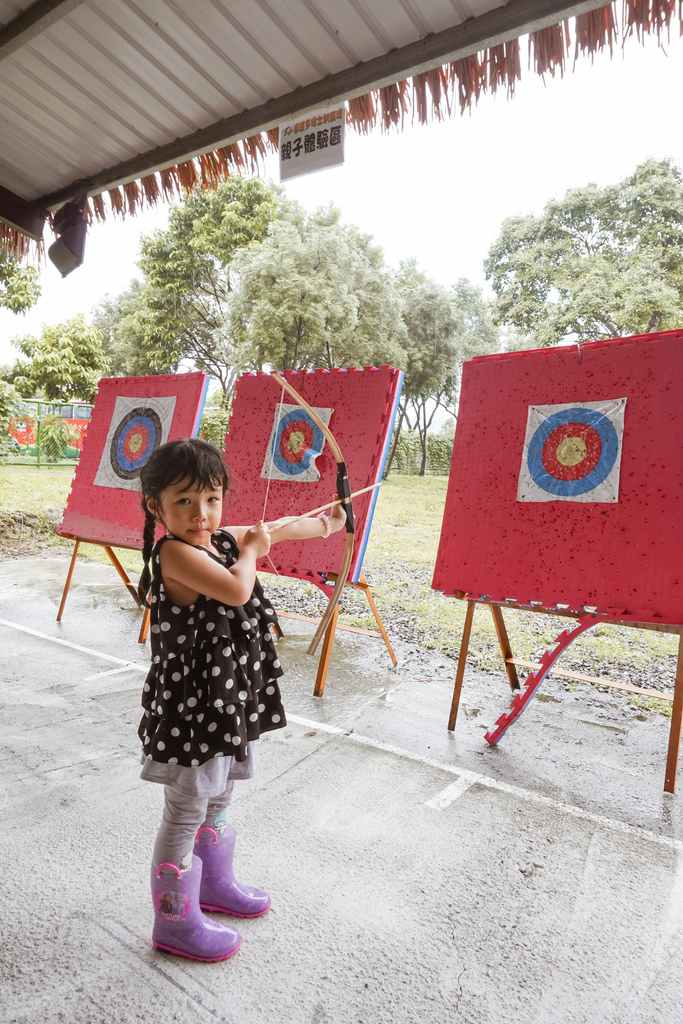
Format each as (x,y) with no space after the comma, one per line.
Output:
(181,818)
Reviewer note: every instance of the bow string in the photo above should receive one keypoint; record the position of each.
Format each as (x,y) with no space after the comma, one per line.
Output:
(344,493)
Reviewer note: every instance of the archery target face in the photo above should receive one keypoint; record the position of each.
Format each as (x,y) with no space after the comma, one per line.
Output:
(138,426)
(572,452)
(294,445)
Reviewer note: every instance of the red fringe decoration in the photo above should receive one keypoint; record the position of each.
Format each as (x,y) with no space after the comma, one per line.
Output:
(186,175)
(647,16)
(550,47)
(393,103)
(168,182)
(420,98)
(273,136)
(361,113)
(150,189)
(132,194)
(19,246)
(99,208)
(470,74)
(505,66)
(212,170)
(594,31)
(117,201)
(231,156)
(254,148)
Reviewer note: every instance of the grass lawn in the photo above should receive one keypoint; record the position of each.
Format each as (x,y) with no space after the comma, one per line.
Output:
(398,565)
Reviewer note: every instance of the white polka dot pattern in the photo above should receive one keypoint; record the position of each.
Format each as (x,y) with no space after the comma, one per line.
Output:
(225,651)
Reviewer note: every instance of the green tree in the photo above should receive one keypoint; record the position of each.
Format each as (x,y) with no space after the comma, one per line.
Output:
(315,293)
(444,327)
(124,340)
(65,362)
(19,283)
(598,263)
(190,280)
(9,403)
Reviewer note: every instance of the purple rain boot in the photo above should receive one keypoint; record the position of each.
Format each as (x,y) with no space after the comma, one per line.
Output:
(220,889)
(179,925)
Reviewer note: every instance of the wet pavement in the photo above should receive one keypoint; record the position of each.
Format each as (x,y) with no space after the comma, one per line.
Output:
(416,875)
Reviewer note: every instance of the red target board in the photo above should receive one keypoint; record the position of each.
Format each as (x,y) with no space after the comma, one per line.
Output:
(281,466)
(131,417)
(566,484)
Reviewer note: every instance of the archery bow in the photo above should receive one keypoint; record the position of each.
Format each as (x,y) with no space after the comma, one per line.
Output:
(344,492)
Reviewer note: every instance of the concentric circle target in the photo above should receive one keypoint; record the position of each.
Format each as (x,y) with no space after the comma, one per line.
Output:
(573,451)
(134,440)
(298,440)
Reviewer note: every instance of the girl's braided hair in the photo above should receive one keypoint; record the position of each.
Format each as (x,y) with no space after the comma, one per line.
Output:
(199,462)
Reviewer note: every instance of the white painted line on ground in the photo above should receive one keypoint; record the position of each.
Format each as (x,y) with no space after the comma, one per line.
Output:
(502,787)
(366,741)
(451,793)
(130,665)
(64,643)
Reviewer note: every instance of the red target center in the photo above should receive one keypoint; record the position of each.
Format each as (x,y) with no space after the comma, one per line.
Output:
(135,442)
(572,451)
(296,439)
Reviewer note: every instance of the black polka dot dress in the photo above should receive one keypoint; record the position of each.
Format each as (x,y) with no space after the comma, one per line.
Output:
(212,686)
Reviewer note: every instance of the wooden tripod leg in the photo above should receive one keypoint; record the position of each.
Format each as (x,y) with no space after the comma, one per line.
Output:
(277,629)
(324,662)
(676,723)
(144,628)
(371,602)
(123,574)
(462,661)
(504,642)
(70,573)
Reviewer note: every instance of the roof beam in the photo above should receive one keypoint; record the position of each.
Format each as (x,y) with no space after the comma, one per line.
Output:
(497,26)
(21,215)
(32,22)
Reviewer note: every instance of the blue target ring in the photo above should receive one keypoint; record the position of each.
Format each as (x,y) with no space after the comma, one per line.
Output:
(302,463)
(569,488)
(134,440)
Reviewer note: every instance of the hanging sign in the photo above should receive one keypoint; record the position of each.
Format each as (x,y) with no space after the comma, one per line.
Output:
(572,452)
(312,143)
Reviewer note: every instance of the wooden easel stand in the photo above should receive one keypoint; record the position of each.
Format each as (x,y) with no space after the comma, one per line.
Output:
(328,640)
(510,662)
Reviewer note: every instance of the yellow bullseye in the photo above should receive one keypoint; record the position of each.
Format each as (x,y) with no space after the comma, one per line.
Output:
(571,451)
(296,441)
(135,443)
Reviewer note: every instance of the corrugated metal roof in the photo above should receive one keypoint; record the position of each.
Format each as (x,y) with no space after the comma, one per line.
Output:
(114,80)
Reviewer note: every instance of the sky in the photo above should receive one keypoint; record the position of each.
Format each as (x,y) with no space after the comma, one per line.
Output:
(440,192)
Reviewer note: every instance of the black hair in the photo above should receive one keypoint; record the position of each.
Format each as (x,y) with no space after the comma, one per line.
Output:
(192,459)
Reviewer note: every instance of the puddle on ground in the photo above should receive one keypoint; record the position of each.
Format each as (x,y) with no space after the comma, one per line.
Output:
(546,698)
(611,728)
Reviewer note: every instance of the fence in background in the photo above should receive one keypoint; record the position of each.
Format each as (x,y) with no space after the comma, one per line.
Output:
(44,434)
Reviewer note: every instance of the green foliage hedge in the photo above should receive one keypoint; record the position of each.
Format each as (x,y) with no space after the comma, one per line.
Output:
(408,457)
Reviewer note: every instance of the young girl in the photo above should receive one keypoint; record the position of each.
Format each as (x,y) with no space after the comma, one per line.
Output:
(211,690)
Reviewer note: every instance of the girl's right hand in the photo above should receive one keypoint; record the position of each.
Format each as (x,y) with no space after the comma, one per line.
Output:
(257,537)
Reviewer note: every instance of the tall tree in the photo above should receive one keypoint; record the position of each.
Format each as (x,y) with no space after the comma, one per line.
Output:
(65,362)
(19,283)
(121,323)
(190,279)
(598,263)
(315,293)
(444,327)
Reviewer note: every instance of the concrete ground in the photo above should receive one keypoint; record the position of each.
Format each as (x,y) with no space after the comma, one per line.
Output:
(417,876)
